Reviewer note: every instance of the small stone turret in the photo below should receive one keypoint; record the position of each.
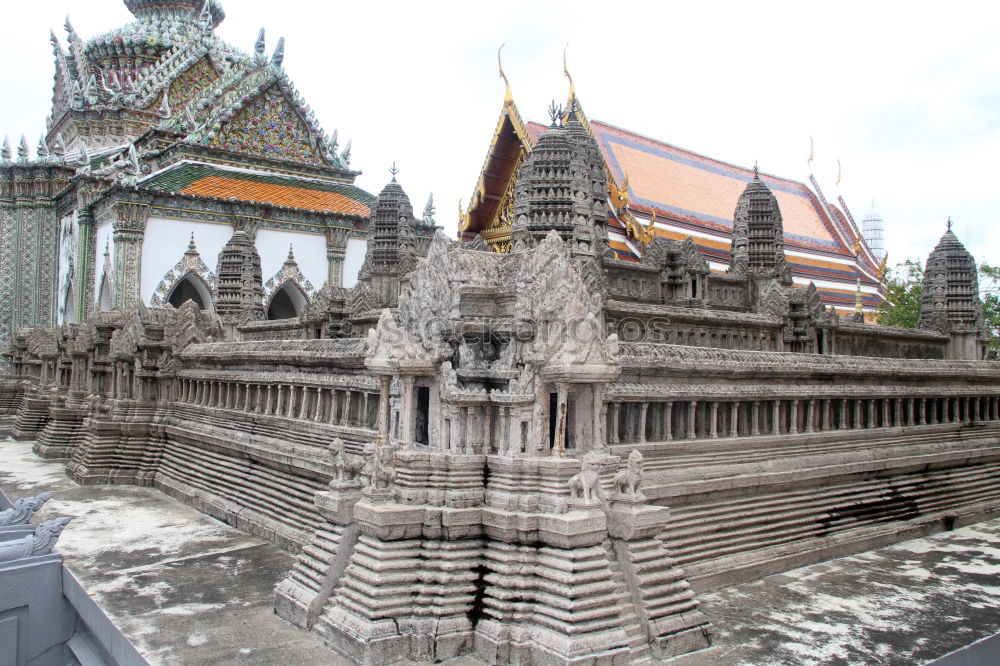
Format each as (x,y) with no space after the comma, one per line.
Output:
(951,298)
(758,239)
(391,245)
(239,291)
(562,185)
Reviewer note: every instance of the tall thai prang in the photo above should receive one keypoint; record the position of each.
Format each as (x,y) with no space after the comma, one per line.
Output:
(951,298)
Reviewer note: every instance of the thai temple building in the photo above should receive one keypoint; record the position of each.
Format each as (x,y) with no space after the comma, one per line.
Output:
(655,190)
(535,444)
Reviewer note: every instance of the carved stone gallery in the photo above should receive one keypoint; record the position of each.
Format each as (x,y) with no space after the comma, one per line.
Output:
(530,445)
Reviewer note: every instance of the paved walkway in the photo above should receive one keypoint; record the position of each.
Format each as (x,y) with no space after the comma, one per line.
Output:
(187,589)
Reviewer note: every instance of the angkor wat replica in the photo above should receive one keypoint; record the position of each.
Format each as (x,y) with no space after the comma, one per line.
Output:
(531,448)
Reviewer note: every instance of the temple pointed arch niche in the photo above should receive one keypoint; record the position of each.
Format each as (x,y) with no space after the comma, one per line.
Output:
(191,287)
(288,301)
(189,279)
(288,291)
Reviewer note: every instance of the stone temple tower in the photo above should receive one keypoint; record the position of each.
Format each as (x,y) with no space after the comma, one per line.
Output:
(951,298)
(758,237)
(239,294)
(562,185)
(391,250)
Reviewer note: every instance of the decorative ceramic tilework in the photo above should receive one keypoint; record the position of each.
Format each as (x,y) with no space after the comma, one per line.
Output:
(269,126)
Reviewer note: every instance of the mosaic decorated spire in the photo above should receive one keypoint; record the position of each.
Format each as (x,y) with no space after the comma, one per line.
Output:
(184,10)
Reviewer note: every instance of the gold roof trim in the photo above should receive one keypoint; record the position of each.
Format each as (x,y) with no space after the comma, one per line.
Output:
(508,113)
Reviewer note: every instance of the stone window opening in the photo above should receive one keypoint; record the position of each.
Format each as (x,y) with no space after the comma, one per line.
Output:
(190,288)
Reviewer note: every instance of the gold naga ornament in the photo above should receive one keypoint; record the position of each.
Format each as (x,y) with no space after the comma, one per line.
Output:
(620,201)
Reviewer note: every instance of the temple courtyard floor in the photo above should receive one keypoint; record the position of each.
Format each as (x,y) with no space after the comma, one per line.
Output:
(187,589)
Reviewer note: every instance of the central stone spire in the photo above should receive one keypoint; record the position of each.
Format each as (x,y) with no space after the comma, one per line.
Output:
(758,237)
(562,185)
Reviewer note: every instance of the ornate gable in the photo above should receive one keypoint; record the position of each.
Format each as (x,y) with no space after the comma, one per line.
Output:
(269,126)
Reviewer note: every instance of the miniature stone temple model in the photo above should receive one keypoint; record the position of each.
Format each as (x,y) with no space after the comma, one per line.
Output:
(534,444)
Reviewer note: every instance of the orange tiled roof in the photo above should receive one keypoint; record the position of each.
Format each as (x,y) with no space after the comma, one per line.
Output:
(700,192)
(211,181)
(281,195)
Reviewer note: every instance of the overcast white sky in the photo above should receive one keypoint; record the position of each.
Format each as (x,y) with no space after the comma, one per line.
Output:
(906,95)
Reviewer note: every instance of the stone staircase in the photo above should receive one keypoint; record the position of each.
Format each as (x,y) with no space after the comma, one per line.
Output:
(724,541)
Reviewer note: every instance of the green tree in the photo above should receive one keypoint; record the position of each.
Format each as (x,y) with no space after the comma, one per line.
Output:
(903,293)
(989,293)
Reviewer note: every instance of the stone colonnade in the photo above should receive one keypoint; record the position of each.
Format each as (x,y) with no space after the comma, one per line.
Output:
(636,422)
(336,406)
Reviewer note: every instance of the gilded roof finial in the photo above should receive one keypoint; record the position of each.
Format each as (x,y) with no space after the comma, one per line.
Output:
(291,255)
(839,172)
(393,170)
(508,97)
(949,223)
(756,169)
(572,89)
(812,153)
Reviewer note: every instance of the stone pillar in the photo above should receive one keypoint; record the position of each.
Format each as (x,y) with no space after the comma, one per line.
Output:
(911,411)
(810,415)
(346,417)
(842,421)
(487,429)
(692,433)
(755,418)
(129,228)
(714,421)
(600,441)
(641,435)
(383,407)
(828,414)
(407,414)
(793,418)
(734,419)
(886,403)
(871,413)
(336,250)
(615,411)
(775,417)
(668,432)
(455,439)
(922,411)
(505,443)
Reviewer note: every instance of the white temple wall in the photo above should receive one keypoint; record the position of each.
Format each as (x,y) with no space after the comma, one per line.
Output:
(309,250)
(166,241)
(105,239)
(353,258)
(69,247)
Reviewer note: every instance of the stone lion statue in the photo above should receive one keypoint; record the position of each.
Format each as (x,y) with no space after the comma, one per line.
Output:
(628,480)
(586,485)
